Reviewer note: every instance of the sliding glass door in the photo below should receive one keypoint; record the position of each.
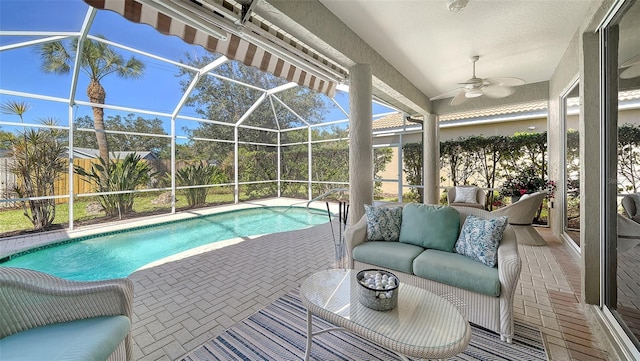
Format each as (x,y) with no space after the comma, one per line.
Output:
(571,184)
(621,162)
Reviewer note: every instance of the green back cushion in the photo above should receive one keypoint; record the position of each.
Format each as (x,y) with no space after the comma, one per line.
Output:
(430,226)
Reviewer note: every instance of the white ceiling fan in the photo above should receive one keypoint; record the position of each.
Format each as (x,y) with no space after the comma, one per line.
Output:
(632,68)
(475,87)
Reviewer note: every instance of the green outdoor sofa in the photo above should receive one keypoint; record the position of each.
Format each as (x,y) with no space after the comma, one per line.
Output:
(48,318)
(423,254)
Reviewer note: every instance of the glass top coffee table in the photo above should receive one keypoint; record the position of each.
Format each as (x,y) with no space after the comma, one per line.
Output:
(423,324)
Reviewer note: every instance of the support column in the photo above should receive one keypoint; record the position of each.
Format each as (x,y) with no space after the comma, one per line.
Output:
(431,159)
(590,161)
(360,141)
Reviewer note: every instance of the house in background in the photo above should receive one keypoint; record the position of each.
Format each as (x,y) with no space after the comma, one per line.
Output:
(87,153)
(394,130)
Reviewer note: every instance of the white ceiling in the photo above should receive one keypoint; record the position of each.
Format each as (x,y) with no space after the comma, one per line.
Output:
(431,46)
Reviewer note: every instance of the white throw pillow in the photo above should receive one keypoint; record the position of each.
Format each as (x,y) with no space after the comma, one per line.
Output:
(466,195)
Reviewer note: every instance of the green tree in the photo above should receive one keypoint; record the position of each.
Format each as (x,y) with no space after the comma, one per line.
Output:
(629,156)
(488,151)
(126,142)
(573,163)
(38,162)
(381,157)
(412,166)
(97,60)
(13,108)
(5,140)
(458,160)
(527,151)
(224,101)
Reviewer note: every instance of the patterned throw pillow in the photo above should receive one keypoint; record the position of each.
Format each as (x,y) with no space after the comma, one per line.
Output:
(383,223)
(479,239)
(466,195)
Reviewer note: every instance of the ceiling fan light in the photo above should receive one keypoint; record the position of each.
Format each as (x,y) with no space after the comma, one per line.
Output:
(457,5)
(473,93)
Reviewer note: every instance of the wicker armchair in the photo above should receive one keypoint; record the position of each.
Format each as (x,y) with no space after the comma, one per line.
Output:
(30,299)
(481,200)
(628,234)
(521,214)
(629,205)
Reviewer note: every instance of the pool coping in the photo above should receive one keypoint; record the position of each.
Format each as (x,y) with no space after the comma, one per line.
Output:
(18,245)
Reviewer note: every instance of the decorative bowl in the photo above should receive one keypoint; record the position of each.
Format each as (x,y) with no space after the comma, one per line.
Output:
(378,289)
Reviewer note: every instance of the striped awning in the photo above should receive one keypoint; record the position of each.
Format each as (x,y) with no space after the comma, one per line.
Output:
(239,48)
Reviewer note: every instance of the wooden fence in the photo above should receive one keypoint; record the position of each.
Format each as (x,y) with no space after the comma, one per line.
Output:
(61,184)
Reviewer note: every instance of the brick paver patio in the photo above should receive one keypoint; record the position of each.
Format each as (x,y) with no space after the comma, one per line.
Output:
(182,302)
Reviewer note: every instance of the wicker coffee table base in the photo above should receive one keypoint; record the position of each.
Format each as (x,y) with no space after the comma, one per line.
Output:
(310,334)
(423,325)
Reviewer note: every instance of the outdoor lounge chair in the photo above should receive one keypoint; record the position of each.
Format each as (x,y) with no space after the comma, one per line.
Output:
(480,198)
(45,317)
(521,214)
(629,205)
(628,234)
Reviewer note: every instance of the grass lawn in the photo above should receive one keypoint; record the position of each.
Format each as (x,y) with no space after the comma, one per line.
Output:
(14,220)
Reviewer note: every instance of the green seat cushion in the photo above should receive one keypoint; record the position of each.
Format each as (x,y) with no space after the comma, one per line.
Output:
(88,339)
(457,270)
(430,226)
(390,255)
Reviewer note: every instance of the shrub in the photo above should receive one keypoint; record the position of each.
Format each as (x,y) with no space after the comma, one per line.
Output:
(38,162)
(198,174)
(524,182)
(116,176)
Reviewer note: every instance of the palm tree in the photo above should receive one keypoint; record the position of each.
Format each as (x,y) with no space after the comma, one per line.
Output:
(15,107)
(97,60)
(37,164)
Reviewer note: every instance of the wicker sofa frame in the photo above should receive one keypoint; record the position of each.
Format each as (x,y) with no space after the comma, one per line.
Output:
(30,299)
(493,313)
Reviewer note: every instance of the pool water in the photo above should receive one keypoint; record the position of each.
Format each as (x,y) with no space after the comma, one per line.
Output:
(119,254)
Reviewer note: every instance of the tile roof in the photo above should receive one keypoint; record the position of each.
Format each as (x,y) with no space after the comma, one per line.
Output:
(396,120)
(391,121)
(487,112)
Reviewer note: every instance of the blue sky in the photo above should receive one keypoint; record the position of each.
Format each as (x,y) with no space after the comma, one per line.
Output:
(158,90)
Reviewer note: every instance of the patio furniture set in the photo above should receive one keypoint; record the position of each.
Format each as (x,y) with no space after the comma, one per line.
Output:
(440,290)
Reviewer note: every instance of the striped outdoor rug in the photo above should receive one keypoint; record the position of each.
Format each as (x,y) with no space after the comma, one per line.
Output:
(278,332)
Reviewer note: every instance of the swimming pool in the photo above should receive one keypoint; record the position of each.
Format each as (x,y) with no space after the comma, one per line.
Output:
(115,255)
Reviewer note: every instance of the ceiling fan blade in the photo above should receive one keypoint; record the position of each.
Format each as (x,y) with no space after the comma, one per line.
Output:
(448,94)
(495,91)
(503,81)
(631,72)
(459,98)
(632,61)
